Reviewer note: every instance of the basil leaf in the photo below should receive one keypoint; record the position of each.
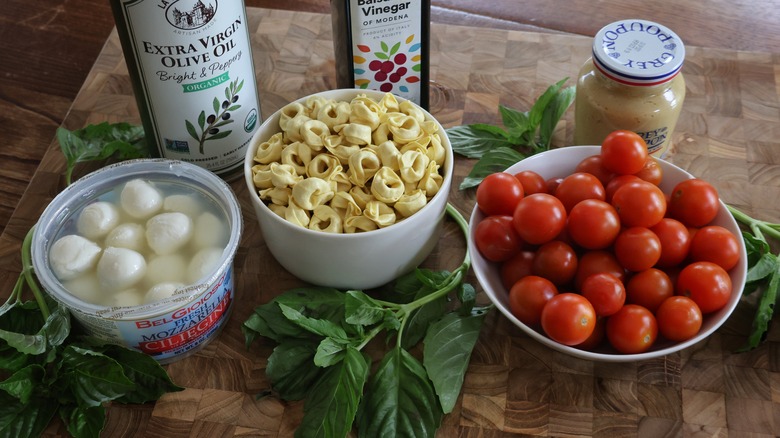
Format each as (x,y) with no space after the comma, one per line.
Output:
(517,123)
(25,420)
(473,141)
(362,309)
(320,327)
(330,408)
(447,351)
(11,359)
(151,380)
(400,400)
(495,160)
(425,283)
(763,268)
(468,297)
(553,113)
(22,383)
(92,377)
(329,352)
(291,369)
(84,422)
(101,141)
(538,111)
(765,310)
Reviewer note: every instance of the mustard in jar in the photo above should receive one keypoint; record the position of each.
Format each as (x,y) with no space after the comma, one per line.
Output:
(632,81)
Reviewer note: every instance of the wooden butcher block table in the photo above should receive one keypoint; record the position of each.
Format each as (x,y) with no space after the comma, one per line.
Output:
(729,133)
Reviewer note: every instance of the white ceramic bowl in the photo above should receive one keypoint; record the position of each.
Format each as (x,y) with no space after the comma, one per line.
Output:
(350,261)
(560,163)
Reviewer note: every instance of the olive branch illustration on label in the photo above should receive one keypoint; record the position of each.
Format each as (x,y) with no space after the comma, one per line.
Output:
(216,120)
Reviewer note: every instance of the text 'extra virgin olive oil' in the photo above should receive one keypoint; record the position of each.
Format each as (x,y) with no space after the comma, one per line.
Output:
(383,45)
(190,62)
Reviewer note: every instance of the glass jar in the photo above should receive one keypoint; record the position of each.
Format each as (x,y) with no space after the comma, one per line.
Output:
(633,82)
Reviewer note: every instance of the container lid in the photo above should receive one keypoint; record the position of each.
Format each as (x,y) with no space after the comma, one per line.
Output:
(638,52)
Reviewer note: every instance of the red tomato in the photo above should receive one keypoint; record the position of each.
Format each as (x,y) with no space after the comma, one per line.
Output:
(715,244)
(496,238)
(593,224)
(706,283)
(649,288)
(675,241)
(528,297)
(499,193)
(596,338)
(532,182)
(568,318)
(679,318)
(651,171)
(623,152)
(578,187)
(605,292)
(539,218)
(555,261)
(637,248)
(617,182)
(694,202)
(516,268)
(553,183)
(594,262)
(633,329)
(639,204)
(593,166)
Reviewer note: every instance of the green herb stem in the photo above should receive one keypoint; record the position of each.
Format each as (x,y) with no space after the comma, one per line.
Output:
(27,272)
(758,227)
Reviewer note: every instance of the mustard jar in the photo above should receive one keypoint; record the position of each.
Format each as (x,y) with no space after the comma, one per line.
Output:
(632,81)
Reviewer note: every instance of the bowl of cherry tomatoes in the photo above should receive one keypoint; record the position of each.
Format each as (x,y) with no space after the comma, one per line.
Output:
(606,253)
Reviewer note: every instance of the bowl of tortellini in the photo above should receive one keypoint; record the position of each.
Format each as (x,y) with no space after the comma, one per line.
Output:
(349,186)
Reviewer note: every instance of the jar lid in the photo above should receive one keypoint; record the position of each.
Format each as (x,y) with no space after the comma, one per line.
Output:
(638,52)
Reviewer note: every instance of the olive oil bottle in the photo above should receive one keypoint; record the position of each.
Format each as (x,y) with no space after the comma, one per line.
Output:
(190,63)
(383,45)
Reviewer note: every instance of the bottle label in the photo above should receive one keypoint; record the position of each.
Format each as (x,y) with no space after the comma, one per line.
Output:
(655,139)
(387,46)
(195,64)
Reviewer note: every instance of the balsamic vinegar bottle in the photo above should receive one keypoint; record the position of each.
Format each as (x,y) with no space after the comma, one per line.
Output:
(190,63)
(383,45)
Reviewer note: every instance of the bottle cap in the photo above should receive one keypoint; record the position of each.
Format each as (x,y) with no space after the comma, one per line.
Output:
(638,52)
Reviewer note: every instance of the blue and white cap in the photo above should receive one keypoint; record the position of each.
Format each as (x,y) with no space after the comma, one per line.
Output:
(638,52)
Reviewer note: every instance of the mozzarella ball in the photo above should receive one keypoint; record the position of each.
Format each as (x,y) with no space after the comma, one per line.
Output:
(97,219)
(120,268)
(167,232)
(127,298)
(85,287)
(183,204)
(166,268)
(73,255)
(140,199)
(203,263)
(161,291)
(209,231)
(128,235)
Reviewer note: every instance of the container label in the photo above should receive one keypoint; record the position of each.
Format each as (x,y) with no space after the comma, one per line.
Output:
(195,63)
(387,46)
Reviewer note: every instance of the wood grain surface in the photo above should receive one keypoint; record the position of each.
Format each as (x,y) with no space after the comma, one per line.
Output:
(729,133)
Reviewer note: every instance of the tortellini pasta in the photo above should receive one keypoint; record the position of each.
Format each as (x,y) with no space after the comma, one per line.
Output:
(348,167)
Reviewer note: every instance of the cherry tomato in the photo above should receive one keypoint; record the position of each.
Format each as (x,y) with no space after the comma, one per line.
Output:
(605,292)
(617,182)
(568,318)
(528,296)
(675,241)
(553,183)
(637,248)
(716,244)
(594,262)
(538,218)
(596,338)
(633,329)
(651,171)
(593,166)
(532,182)
(496,238)
(623,152)
(694,202)
(578,187)
(517,267)
(593,224)
(679,318)
(555,261)
(706,283)
(649,288)
(639,204)
(499,193)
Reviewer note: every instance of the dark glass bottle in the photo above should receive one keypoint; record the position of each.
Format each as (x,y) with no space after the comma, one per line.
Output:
(383,45)
(190,63)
